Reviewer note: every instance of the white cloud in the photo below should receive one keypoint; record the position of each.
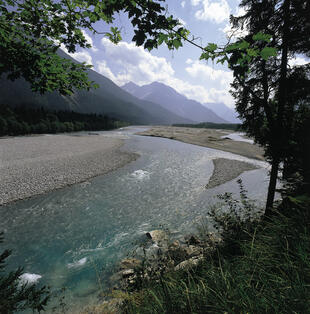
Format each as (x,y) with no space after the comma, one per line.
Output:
(89,41)
(81,56)
(233,34)
(132,63)
(207,73)
(183,4)
(298,61)
(182,21)
(105,70)
(209,10)
(136,64)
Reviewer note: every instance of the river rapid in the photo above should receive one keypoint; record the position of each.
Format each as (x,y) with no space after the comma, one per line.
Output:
(74,237)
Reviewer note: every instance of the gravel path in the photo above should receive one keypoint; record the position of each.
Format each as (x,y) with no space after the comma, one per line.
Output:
(226,170)
(38,164)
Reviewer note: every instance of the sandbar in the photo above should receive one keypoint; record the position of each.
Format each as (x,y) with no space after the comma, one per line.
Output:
(207,138)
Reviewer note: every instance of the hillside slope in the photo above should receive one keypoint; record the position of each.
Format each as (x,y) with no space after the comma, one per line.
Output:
(108,99)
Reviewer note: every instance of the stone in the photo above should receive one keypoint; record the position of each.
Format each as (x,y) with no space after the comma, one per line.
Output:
(128,263)
(158,236)
(193,250)
(174,245)
(190,263)
(127,273)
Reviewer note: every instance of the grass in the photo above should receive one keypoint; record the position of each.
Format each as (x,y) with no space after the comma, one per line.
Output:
(260,267)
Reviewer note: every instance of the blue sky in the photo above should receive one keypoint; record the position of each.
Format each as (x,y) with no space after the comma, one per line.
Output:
(181,69)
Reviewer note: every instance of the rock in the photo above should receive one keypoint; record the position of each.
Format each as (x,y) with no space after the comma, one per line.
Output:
(190,263)
(128,273)
(130,263)
(193,250)
(174,245)
(214,239)
(158,236)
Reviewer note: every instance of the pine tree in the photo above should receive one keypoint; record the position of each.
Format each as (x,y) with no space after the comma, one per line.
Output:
(17,296)
(261,85)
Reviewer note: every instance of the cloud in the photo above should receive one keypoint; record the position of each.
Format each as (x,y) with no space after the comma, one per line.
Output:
(182,21)
(207,73)
(298,61)
(233,34)
(183,4)
(214,11)
(89,41)
(126,62)
(105,70)
(135,63)
(81,56)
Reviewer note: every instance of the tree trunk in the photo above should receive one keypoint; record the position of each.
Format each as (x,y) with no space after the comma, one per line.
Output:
(272,185)
(280,127)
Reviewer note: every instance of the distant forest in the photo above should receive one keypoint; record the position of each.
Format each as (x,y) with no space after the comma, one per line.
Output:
(22,120)
(212,125)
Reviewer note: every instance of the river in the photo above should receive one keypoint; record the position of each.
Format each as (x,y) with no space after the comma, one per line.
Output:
(74,237)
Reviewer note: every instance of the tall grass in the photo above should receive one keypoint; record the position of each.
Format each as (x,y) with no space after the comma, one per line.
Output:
(264,267)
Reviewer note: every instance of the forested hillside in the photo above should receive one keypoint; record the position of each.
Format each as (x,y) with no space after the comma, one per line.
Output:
(22,120)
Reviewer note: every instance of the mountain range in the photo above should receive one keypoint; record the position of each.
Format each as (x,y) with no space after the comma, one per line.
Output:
(173,101)
(224,112)
(155,103)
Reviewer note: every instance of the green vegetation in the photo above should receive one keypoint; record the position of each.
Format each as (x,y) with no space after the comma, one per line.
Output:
(211,125)
(259,267)
(16,295)
(22,120)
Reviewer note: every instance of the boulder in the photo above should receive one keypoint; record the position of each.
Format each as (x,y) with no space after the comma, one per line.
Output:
(160,237)
(190,263)
(128,273)
(130,263)
(193,250)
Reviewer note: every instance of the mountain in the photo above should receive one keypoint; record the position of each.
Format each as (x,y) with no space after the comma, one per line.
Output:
(171,100)
(223,111)
(108,99)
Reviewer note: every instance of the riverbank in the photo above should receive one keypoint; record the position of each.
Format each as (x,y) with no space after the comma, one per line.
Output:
(38,164)
(207,138)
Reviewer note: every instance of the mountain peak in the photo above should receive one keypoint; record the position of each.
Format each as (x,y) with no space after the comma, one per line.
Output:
(130,85)
(170,99)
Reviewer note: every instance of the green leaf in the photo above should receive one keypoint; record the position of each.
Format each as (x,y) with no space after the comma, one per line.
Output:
(262,37)
(268,52)
(177,43)
(211,47)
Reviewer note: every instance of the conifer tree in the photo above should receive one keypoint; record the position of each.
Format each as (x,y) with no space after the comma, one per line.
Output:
(261,84)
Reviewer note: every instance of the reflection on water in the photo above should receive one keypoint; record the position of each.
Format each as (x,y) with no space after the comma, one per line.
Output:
(73,237)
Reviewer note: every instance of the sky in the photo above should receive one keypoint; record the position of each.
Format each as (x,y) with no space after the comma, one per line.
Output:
(207,20)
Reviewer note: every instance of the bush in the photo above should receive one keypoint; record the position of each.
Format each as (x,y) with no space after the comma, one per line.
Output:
(15,296)
(259,267)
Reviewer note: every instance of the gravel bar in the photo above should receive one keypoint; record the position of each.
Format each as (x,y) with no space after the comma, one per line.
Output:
(226,170)
(35,165)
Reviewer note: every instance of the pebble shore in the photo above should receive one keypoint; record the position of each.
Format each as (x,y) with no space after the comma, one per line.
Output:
(226,170)
(35,165)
